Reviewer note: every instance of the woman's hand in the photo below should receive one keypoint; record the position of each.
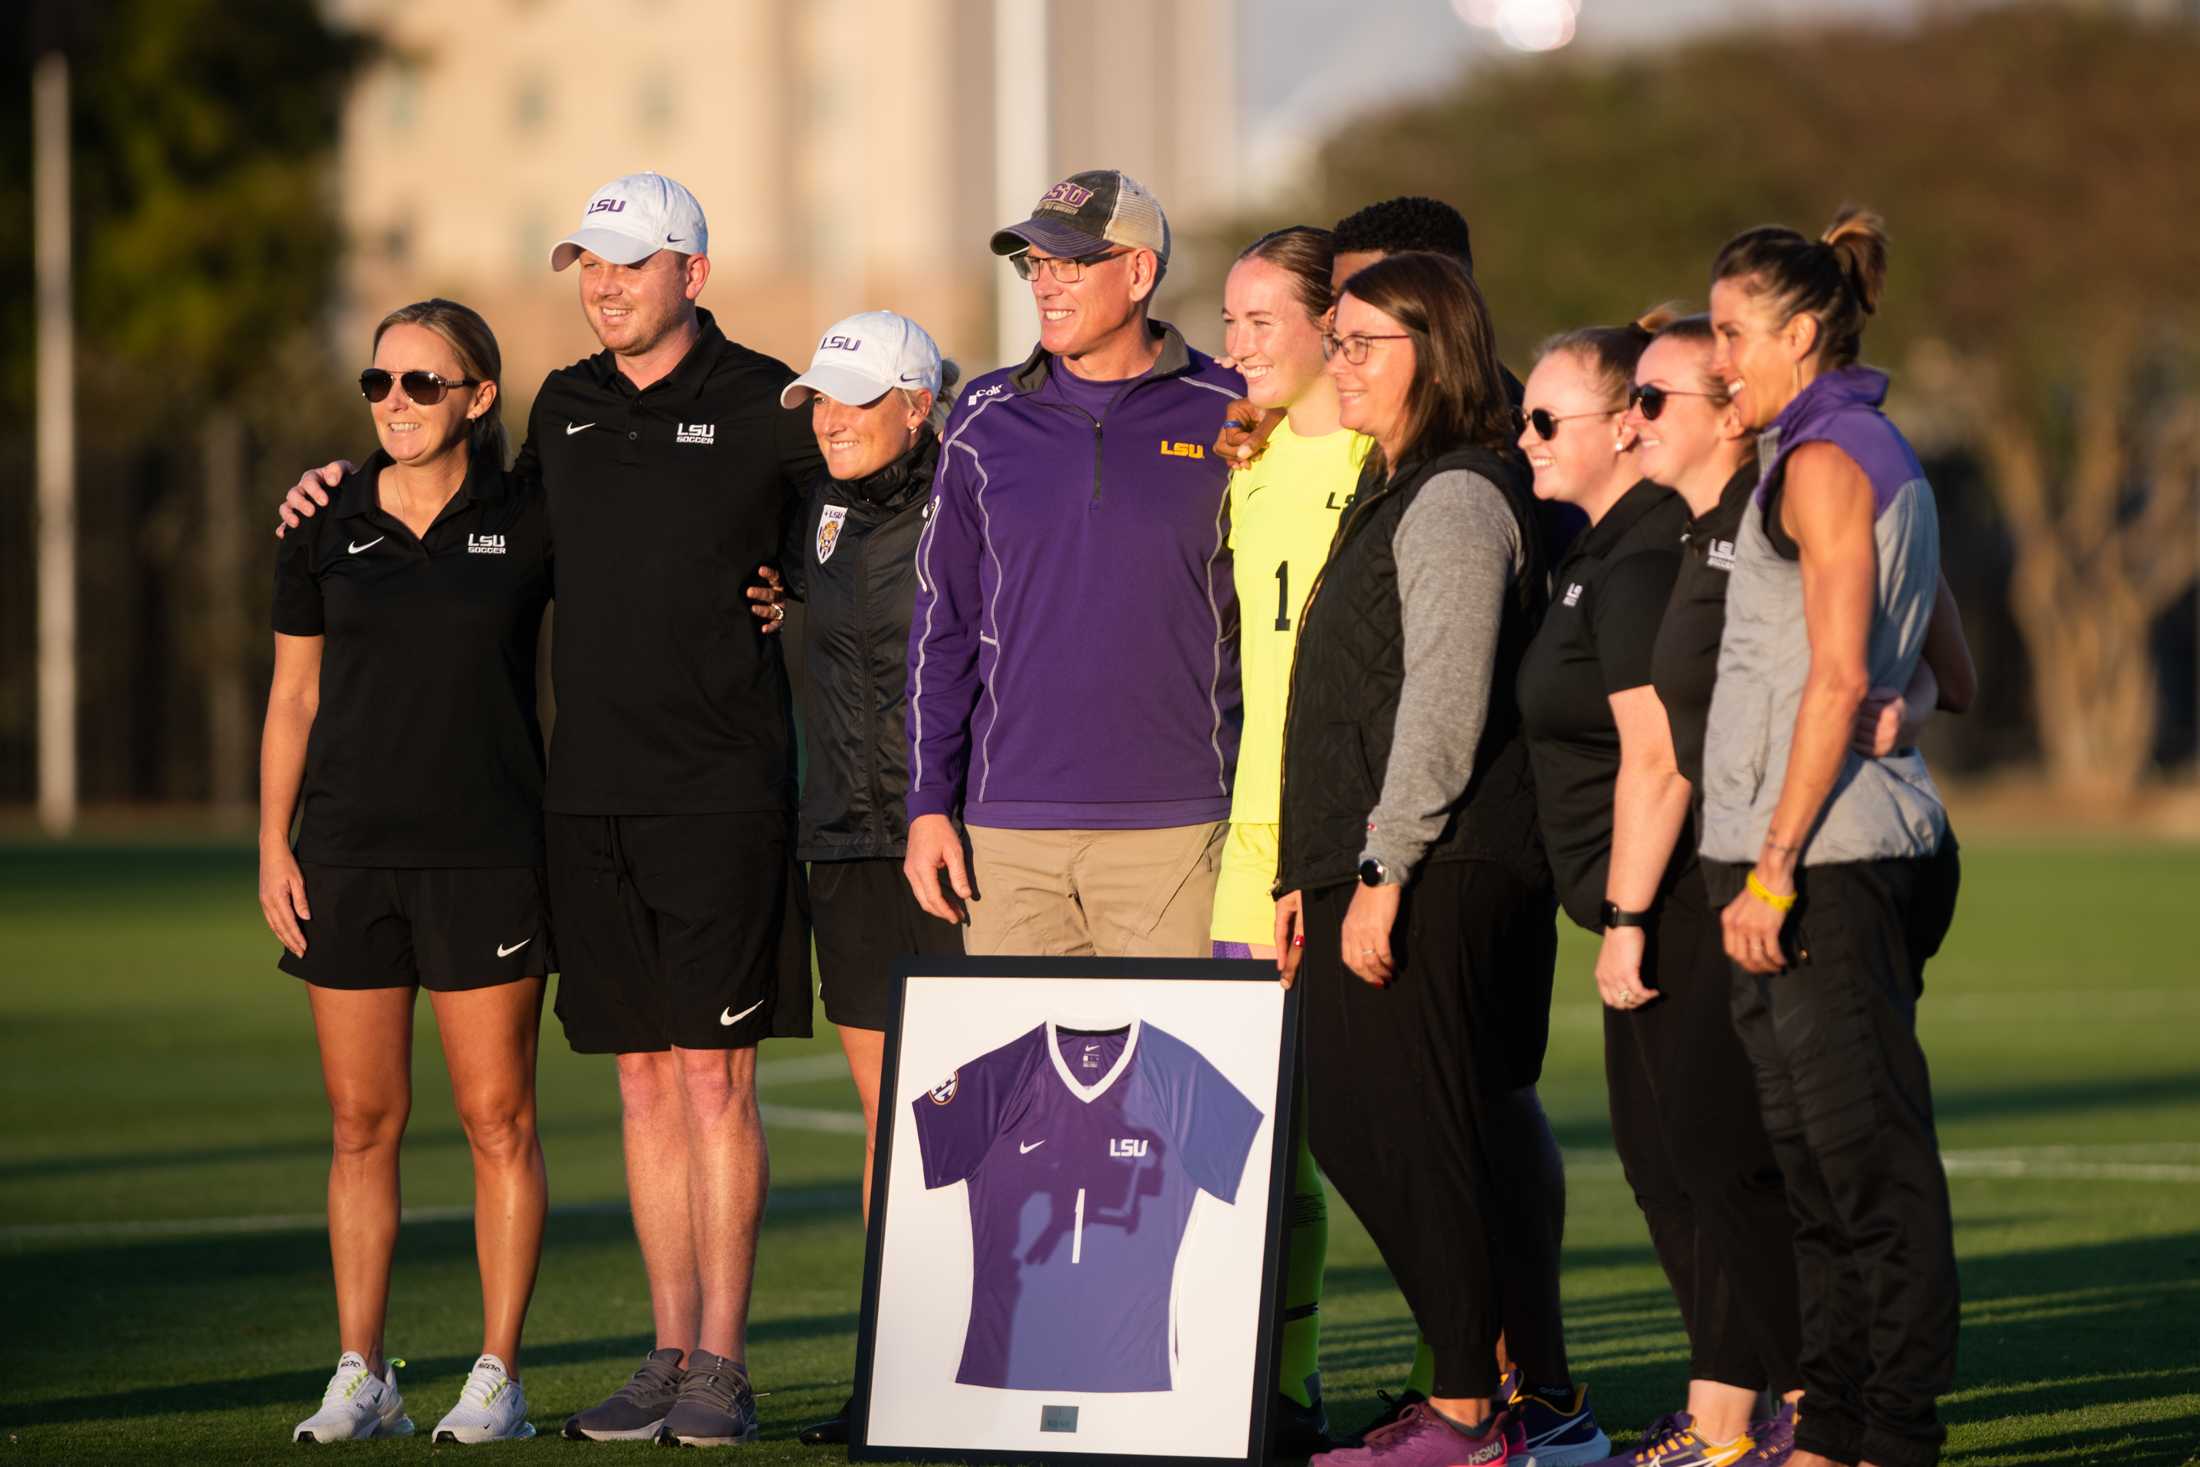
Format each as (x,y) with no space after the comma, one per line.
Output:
(283,897)
(1290,935)
(1886,721)
(768,602)
(1367,924)
(1619,968)
(1752,928)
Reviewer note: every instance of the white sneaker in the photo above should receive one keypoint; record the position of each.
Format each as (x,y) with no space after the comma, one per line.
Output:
(357,1404)
(491,1408)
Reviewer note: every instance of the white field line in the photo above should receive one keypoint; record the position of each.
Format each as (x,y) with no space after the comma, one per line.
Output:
(2029,1163)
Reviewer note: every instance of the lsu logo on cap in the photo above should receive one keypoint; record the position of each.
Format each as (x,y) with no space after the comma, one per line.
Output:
(1066,196)
(608,206)
(828,531)
(945,1090)
(841,343)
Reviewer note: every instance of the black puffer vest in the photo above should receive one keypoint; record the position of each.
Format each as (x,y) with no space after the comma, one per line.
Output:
(1345,685)
(853,563)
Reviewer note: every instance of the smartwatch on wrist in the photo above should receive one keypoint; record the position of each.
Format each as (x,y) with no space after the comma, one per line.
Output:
(1614,917)
(1373,872)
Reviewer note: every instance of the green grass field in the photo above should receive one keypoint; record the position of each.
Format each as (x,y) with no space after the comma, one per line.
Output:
(163,1289)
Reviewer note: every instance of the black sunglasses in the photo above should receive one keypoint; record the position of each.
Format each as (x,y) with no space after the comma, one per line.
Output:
(424,388)
(1652,399)
(1545,422)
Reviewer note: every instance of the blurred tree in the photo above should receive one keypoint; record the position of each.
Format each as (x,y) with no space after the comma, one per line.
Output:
(2036,169)
(207,248)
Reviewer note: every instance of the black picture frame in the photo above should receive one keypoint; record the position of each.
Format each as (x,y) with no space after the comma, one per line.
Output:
(1283,1139)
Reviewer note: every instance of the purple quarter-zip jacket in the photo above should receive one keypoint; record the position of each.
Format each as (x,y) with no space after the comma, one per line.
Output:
(1073,653)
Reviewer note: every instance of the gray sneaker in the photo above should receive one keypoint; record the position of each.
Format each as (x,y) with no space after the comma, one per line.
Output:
(634,1411)
(716,1407)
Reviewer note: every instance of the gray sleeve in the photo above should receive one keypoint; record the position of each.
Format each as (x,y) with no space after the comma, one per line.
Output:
(1458,552)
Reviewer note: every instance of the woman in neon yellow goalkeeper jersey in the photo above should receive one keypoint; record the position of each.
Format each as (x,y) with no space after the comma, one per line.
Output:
(1283,511)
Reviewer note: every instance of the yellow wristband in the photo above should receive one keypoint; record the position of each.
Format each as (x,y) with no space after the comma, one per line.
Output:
(1768,896)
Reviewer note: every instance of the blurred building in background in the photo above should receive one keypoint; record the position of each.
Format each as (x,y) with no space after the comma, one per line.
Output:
(846,152)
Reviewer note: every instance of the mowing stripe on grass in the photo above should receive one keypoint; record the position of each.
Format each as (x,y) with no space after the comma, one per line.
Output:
(2036,1163)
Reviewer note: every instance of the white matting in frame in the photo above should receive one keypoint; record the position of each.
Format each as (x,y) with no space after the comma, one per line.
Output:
(1111,1298)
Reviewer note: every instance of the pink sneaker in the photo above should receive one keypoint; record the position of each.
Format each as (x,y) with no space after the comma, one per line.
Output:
(1420,1437)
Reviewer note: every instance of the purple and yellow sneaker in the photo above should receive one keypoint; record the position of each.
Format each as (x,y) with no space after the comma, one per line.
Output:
(1560,1433)
(1775,1438)
(1420,1437)
(1672,1441)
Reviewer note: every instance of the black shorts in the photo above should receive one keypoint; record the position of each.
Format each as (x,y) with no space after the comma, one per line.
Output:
(866,917)
(442,928)
(679,930)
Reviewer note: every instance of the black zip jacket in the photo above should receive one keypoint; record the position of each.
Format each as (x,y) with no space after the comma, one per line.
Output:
(852,561)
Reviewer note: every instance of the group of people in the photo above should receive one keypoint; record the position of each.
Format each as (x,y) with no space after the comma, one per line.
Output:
(1347,651)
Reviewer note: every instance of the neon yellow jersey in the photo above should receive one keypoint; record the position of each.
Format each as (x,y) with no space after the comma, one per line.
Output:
(1283,514)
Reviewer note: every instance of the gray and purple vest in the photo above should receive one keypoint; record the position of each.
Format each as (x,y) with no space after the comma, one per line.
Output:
(1879,808)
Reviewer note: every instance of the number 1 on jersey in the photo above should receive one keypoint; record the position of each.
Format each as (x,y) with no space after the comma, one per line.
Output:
(1077,1235)
(1283,595)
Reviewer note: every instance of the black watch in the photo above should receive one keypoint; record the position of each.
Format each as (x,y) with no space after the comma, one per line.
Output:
(1614,917)
(1373,872)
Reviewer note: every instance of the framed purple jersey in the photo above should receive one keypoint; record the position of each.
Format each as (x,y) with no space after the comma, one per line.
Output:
(1076,1240)
(1084,1152)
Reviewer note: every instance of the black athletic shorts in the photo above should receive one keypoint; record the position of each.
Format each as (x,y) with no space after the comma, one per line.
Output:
(688,931)
(442,928)
(866,917)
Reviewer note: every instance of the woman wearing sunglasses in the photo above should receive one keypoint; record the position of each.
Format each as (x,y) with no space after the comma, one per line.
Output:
(401,733)
(1415,898)
(1835,871)
(1616,420)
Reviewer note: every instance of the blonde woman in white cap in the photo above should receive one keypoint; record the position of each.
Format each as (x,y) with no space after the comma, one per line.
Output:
(870,398)
(683,930)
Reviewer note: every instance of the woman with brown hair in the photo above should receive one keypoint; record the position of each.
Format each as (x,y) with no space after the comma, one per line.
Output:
(1835,869)
(402,737)
(1415,896)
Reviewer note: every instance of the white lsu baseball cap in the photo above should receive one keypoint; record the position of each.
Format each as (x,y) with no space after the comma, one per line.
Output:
(631,218)
(860,358)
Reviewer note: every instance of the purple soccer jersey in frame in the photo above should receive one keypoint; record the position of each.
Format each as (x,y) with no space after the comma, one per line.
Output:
(1084,1151)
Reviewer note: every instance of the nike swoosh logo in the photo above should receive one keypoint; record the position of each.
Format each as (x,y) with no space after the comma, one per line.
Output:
(505,952)
(572,428)
(729,1018)
(1023,1150)
(675,239)
(356,547)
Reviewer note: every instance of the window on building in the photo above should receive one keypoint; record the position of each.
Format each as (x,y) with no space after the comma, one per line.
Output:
(531,103)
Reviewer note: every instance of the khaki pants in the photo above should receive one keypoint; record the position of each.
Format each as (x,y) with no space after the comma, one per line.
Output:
(1094,893)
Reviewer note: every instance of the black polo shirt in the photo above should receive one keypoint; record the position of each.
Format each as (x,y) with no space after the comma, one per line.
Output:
(1606,598)
(1685,662)
(425,750)
(664,500)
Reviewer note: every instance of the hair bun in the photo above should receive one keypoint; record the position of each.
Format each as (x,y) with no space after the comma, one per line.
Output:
(1658,317)
(1858,239)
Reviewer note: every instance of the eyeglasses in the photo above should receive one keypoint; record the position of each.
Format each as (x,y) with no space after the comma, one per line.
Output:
(1545,422)
(1067,270)
(1652,399)
(424,388)
(1356,346)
